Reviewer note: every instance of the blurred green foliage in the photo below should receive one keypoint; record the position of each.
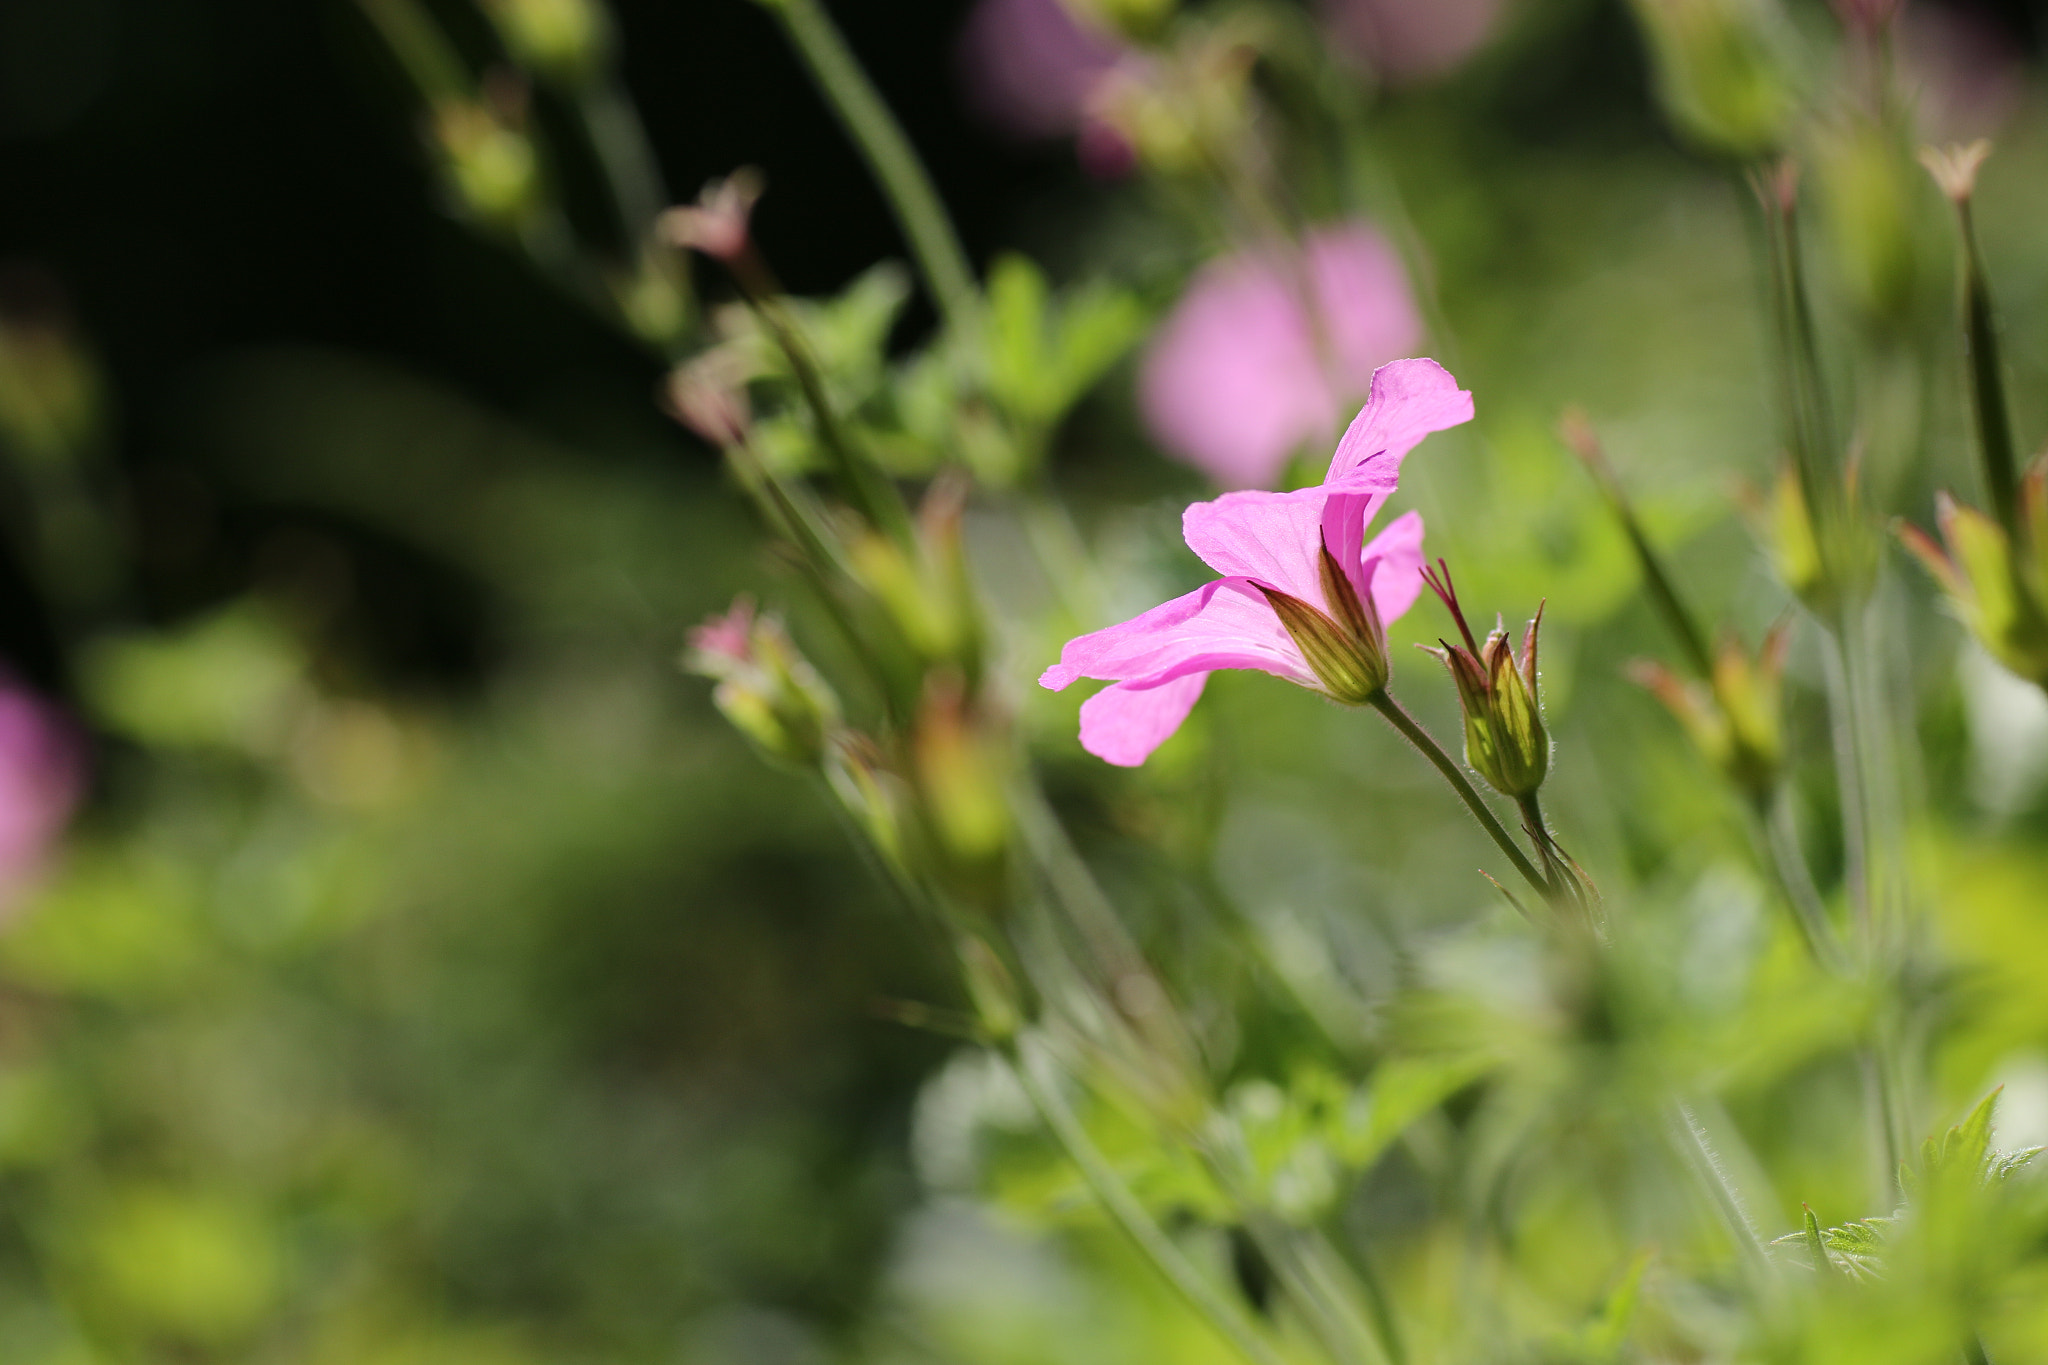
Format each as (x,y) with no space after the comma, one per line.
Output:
(510,1011)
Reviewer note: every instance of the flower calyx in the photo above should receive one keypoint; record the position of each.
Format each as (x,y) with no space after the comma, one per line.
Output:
(1998,587)
(768,690)
(1505,742)
(1347,645)
(1734,717)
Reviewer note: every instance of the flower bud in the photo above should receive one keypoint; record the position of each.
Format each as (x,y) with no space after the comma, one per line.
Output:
(709,396)
(1996,590)
(717,224)
(871,793)
(961,768)
(562,40)
(486,153)
(1734,719)
(1721,71)
(1347,648)
(769,692)
(1505,741)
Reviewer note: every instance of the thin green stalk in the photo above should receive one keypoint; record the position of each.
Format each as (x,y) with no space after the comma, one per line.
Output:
(1848,783)
(940,257)
(1714,1181)
(1777,838)
(1987,380)
(428,59)
(1678,618)
(630,173)
(1226,1317)
(864,484)
(1425,743)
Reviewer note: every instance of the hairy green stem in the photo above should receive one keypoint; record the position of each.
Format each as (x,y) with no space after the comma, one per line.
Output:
(940,257)
(1226,1317)
(1425,743)
(1719,1187)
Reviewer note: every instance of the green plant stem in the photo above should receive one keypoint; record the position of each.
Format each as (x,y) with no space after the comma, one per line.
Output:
(940,257)
(1777,840)
(1987,381)
(864,484)
(1226,1317)
(1678,618)
(1714,1180)
(1425,743)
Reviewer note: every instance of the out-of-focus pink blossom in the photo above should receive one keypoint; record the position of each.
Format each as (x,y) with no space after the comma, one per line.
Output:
(723,645)
(1241,374)
(1284,557)
(1411,40)
(717,223)
(1964,68)
(42,776)
(1032,68)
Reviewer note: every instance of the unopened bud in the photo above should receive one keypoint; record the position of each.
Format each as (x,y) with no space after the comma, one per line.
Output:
(709,396)
(871,793)
(961,772)
(488,157)
(1721,70)
(1996,588)
(1735,718)
(717,224)
(769,691)
(1347,647)
(562,40)
(1505,742)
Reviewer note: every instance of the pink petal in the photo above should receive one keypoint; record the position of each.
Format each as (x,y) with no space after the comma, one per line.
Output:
(1124,723)
(1394,562)
(1410,399)
(1225,624)
(1345,517)
(1271,537)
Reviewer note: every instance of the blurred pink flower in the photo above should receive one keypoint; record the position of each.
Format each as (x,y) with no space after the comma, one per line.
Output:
(42,776)
(1236,378)
(1031,68)
(1405,40)
(1303,595)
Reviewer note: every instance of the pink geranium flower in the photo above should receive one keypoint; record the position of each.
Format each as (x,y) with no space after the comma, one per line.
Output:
(1241,373)
(1303,595)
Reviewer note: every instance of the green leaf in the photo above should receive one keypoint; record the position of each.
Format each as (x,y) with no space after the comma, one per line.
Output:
(1602,1338)
(1402,1090)
(1853,1248)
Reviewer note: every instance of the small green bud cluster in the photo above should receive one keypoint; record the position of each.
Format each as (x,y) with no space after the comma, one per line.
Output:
(1505,741)
(1734,716)
(769,691)
(1997,583)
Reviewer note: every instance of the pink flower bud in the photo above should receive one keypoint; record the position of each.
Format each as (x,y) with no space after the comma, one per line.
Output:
(717,223)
